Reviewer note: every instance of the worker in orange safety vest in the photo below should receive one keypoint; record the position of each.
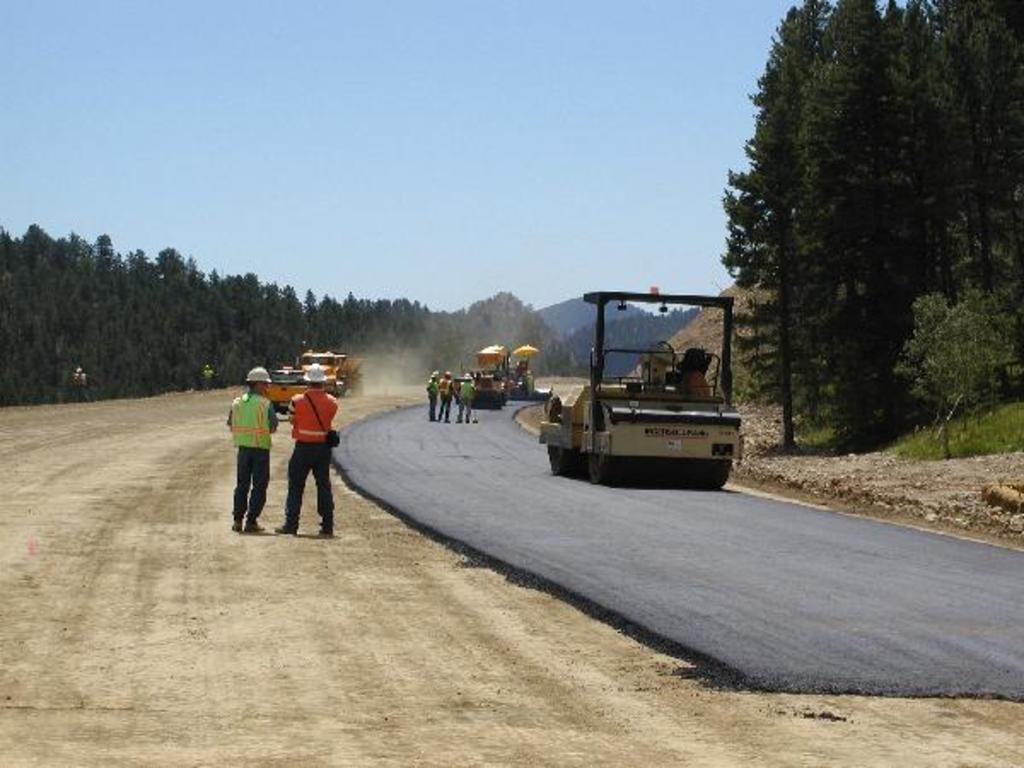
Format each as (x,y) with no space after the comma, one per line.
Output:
(312,415)
(446,389)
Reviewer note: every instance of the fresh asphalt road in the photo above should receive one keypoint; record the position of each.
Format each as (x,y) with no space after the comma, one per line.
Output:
(788,597)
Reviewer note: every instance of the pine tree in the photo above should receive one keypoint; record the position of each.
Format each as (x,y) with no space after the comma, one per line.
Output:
(852,227)
(762,203)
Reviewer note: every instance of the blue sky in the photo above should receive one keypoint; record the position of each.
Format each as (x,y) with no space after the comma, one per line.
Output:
(441,151)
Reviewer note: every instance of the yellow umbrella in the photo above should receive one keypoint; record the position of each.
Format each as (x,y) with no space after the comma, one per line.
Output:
(525,351)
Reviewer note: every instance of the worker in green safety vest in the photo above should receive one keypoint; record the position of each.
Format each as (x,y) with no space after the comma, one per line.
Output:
(208,375)
(252,420)
(467,391)
(432,389)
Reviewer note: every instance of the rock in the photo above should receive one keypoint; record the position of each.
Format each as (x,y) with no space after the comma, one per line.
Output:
(1016,524)
(1004,496)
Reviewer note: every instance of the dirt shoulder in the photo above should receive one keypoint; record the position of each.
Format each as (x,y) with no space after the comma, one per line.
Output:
(943,496)
(138,629)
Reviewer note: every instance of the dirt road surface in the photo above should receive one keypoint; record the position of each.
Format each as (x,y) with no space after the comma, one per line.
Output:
(137,629)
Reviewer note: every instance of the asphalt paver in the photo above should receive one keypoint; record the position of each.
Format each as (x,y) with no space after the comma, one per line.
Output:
(781,596)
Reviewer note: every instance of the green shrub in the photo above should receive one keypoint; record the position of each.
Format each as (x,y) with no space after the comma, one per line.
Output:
(1000,430)
(952,358)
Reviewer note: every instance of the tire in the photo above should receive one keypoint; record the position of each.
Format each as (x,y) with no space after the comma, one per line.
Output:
(602,469)
(706,474)
(557,459)
(565,462)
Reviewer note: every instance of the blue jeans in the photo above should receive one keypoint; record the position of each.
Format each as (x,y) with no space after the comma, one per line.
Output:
(446,408)
(306,457)
(252,469)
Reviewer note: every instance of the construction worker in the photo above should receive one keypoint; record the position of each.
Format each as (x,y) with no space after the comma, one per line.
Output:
(80,382)
(692,373)
(446,389)
(466,393)
(252,420)
(432,389)
(312,416)
(208,375)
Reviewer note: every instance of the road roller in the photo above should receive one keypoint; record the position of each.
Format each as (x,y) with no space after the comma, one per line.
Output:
(668,421)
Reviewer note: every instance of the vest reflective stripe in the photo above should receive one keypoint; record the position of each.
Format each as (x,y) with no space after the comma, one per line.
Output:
(305,427)
(249,427)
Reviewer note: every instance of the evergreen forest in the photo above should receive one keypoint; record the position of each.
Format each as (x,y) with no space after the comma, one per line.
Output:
(886,165)
(140,326)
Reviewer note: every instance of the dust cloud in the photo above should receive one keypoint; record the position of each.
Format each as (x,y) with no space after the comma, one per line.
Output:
(387,372)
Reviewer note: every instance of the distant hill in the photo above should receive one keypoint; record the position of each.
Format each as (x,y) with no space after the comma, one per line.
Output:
(629,330)
(505,319)
(501,319)
(569,316)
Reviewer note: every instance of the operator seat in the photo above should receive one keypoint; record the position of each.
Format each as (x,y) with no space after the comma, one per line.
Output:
(657,365)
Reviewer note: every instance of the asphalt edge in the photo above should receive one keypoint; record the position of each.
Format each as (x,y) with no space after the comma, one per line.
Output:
(706,668)
(711,672)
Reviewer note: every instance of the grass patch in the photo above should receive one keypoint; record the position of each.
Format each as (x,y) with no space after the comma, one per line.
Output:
(997,431)
(815,438)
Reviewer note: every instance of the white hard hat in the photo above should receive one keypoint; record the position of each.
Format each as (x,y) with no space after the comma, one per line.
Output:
(315,374)
(259,373)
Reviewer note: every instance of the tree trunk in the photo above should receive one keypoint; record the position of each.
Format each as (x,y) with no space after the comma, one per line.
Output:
(985,234)
(1018,246)
(785,345)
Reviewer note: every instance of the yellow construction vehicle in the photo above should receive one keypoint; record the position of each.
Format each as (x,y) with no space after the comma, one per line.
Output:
(491,377)
(344,377)
(344,373)
(285,383)
(521,379)
(669,421)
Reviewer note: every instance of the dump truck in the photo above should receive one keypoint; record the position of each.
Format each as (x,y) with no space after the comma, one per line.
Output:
(669,421)
(344,373)
(285,383)
(344,377)
(491,377)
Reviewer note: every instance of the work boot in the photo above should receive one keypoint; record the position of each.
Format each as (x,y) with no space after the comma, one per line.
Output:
(326,533)
(237,525)
(251,526)
(286,530)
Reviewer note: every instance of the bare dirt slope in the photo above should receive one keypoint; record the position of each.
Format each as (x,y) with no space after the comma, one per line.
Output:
(705,330)
(941,495)
(136,628)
